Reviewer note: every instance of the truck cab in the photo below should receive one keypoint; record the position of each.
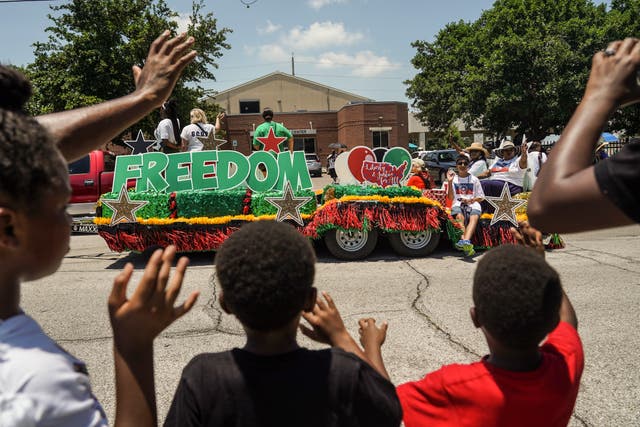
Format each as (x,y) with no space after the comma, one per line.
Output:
(90,176)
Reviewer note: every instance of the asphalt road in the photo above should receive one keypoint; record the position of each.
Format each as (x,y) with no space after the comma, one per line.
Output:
(425,301)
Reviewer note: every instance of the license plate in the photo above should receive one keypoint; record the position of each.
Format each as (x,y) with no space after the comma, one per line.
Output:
(84,228)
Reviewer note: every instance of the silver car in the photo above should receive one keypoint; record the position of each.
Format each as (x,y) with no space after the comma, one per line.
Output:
(313,164)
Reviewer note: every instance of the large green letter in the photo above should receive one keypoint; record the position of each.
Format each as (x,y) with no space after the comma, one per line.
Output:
(293,169)
(228,162)
(199,169)
(153,164)
(124,171)
(177,173)
(270,163)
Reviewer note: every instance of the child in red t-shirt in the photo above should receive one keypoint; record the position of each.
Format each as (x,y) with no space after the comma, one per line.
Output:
(518,301)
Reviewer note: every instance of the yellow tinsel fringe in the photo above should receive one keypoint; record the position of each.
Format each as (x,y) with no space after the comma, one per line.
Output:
(221,220)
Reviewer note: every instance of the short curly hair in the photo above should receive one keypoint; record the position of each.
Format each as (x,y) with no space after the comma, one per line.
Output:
(30,163)
(266,270)
(517,296)
(15,89)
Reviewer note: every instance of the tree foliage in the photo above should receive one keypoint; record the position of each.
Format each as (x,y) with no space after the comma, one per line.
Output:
(92,45)
(523,64)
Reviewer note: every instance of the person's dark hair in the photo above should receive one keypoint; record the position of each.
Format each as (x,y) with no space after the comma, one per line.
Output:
(462,157)
(171,109)
(517,296)
(267,114)
(30,163)
(15,89)
(266,271)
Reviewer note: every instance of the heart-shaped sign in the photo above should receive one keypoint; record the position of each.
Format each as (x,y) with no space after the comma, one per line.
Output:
(392,170)
(397,156)
(357,157)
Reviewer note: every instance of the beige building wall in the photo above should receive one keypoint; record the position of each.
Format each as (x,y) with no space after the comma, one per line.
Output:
(285,93)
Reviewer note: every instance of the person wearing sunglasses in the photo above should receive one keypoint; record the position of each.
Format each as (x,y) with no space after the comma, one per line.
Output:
(508,169)
(466,193)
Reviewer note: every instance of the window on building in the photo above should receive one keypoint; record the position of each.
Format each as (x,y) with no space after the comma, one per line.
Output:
(380,139)
(250,106)
(308,145)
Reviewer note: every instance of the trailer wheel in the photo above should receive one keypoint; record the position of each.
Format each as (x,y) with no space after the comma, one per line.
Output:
(417,244)
(351,245)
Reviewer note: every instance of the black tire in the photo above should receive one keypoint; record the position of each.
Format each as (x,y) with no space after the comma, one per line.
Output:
(351,245)
(418,244)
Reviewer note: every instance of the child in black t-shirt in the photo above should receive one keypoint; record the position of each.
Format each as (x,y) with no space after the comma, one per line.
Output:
(272,381)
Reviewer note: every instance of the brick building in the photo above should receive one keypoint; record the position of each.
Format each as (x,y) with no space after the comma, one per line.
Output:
(316,114)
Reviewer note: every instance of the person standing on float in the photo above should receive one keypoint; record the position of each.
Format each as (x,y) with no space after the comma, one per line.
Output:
(265,128)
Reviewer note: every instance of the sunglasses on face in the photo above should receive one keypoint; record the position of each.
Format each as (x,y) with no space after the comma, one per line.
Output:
(508,150)
(462,163)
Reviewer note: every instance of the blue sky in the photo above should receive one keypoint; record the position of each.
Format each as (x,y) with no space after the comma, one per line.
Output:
(360,46)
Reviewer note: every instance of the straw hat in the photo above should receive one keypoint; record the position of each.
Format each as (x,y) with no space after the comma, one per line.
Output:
(477,146)
(504,144)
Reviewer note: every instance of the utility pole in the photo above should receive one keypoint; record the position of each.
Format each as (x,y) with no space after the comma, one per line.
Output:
(293,65)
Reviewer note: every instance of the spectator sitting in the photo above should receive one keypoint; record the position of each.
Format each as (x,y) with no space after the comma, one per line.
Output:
(508,169)
(518,300)
(420,177)
(477,154)
(272,381)
(466,192)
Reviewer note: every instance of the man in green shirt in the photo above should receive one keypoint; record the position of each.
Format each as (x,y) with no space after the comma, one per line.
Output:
(270,136)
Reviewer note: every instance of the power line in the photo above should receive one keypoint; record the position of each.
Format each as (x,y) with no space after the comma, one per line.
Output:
(23,1)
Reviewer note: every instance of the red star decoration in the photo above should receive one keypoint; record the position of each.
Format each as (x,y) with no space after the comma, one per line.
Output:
(271,142)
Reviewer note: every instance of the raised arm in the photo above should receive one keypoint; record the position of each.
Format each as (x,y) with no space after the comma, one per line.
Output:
(372,338)
(135,323)
(567,197)
(81,130)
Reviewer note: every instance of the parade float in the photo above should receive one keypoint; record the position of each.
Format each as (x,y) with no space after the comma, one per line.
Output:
(195,200)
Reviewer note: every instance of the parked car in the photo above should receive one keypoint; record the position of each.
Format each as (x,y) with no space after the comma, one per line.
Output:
(313,164)
(438,162)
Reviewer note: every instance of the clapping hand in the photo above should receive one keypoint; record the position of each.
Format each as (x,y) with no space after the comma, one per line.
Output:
(138,320)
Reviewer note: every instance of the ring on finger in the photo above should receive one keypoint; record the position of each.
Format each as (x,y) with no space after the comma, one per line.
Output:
(609,51)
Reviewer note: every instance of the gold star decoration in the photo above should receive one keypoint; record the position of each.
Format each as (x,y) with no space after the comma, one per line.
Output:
(505,206)
(124,209)
(288,205)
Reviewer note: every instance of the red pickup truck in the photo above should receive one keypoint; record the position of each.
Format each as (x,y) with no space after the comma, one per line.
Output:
(90,177)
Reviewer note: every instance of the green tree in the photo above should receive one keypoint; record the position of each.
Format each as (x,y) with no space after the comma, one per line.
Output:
(92,45)
(522,64)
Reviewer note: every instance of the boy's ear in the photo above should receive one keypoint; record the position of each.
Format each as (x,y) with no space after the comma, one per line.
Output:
(223,303)
(8,237)
(474,317)
(310,301)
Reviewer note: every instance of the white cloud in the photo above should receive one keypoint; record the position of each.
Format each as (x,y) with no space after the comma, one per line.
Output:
(269,28)
(363,64)
(318,4)
(183,20)
(321,35)
(271,53)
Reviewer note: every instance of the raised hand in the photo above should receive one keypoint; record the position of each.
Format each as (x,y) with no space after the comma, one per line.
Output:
(326,324)
(614,73)
(164,64)
(137,321)
(372,336)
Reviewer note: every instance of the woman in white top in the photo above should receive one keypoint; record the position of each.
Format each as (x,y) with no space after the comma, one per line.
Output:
(199,131)
(168,131)
(508,169)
